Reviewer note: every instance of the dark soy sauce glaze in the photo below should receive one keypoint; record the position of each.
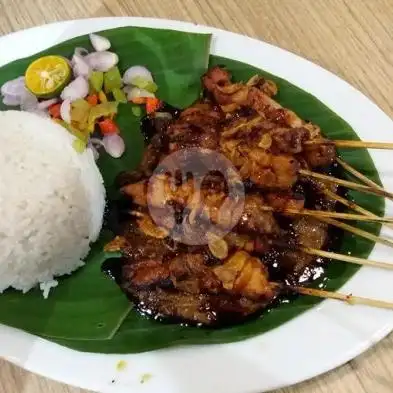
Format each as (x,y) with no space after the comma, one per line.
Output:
(112,267)
(117,217)
(150,126)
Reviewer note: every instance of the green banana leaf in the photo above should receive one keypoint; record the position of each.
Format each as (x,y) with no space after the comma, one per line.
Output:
(81,312)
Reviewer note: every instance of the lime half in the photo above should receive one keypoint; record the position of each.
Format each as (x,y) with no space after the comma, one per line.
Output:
(47,76)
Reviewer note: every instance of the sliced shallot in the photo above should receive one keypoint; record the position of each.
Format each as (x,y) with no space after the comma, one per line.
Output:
(99,42)
(11,100)
(81,51)
(136,72)
(65,111)
(15,87)
(95,152)
(114,145)
(78,88)
(80,66)
(102,61)
(29,102)
(47,103)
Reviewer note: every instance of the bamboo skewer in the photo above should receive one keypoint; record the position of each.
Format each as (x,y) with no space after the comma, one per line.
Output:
(327,214)
(359,232)
(353,144)
(351,205)
(358,175)
(347,183)
(346,202)
(346,258)
(350,299)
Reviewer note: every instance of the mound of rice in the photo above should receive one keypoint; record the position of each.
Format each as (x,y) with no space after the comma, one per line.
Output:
(52,201)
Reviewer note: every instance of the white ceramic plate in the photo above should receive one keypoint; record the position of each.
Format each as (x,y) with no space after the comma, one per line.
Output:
(315,342)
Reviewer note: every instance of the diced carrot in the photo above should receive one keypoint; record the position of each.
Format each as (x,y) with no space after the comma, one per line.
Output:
(138,100)
(152,104)
(108,127)
(92,99)
(54,111)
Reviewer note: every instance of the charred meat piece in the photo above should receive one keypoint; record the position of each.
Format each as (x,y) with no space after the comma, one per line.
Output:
(255,219)
(264,169)
(217,82)
(307,232)
(285,200)
(245,275)
(196,127)
(205,139)
(190,274)
(320,155)
(188,289)
(201,115)
(215,205)
(202,309)
(139,245)
(289,140)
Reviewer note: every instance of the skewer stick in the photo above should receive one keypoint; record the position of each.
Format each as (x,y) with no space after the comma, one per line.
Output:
(346,258)
(358,175)
(351,205)
(354,144)
(346,202)
(350,299)
(346,183)
(327,214)
(359,232)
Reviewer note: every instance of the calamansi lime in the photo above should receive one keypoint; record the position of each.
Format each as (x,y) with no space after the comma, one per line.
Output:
(47,76)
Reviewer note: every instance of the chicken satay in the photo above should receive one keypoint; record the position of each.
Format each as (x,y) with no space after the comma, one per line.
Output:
(285,200)
(218,83)
(264,169)
(214,205)
(185,287)
(197,126)
(306,232)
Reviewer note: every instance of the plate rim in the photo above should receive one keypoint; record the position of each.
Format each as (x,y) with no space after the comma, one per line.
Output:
(37,345)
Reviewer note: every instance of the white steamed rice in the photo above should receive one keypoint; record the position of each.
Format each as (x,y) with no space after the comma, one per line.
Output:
(52,201)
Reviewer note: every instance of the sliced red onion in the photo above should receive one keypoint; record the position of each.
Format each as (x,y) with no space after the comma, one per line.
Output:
(95,152)
(15,87)
(11,100)
(80,66)
(29,102)
(78,88)
(47,103)
(65,111)
(136,92)
(96,142)
(81,51)
(114,145)
(137,72)
(102,61)
(99,42)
